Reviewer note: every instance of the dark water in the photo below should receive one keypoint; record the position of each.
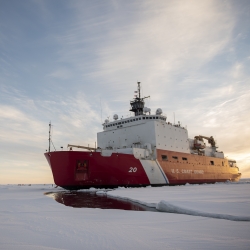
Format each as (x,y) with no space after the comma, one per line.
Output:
(91,200)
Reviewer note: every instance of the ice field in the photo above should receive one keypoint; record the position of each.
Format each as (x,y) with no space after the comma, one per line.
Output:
(215,216)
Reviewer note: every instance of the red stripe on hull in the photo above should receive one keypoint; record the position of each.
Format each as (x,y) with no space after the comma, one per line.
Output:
(99,171)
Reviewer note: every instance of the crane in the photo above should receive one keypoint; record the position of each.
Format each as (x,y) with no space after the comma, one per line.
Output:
(209,139)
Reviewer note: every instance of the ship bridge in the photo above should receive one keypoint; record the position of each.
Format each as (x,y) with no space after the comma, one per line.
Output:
(131,121)
(143,130)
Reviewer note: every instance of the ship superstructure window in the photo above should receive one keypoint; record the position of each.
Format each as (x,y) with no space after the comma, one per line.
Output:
(164,157)
(232,163)
(136,119)
(212,162)
(184,158)
(175,157)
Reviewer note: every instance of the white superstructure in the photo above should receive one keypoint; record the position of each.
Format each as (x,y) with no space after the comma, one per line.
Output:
(140,130)
(143,133)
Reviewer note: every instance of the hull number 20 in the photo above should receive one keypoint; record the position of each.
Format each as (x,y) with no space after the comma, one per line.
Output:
(132,170)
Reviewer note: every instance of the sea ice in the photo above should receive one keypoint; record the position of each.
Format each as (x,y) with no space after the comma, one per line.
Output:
(31,220)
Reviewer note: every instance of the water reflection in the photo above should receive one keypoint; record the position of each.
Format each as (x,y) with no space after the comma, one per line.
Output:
(91,200)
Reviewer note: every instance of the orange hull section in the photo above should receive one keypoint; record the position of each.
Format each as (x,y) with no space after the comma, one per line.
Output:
(181,168)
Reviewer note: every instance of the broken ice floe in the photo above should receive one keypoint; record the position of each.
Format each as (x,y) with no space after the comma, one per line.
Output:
(165,206)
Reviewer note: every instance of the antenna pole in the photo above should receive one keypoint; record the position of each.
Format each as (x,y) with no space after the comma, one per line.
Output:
(49,135)
(139,90)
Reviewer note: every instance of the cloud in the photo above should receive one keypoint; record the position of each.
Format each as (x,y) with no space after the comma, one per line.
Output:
(158,43)
(87,57)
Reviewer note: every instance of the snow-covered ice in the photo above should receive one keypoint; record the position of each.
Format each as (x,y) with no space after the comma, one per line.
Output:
(222,200)
(31,220)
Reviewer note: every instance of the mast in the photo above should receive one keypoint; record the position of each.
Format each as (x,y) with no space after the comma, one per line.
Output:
(49,135)
(138,103)
(139,89)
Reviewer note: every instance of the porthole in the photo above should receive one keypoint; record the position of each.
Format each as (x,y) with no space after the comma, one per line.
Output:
(164,157)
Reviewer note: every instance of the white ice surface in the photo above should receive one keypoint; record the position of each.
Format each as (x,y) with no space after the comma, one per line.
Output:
(30,220)
(222,200)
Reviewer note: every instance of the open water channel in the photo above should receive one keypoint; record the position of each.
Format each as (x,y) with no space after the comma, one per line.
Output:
(92,200)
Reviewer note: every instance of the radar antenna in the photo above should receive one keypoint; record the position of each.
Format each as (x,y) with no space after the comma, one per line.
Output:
(138,103)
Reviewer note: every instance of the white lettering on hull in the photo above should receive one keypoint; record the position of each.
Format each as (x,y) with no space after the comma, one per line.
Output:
(132,170)
(186,171)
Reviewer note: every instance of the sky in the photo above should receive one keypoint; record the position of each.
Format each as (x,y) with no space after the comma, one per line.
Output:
(75,63)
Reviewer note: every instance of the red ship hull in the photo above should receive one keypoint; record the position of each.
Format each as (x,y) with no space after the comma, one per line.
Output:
(101,171)
(81,169)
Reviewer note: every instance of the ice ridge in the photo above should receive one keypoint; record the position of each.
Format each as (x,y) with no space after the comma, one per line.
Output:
(165,206)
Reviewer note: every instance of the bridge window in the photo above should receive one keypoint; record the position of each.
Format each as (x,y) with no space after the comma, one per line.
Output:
(156,117)
(184,158)
(212,162)
(136,119)
(143,118)
(175,157)
(164,157)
